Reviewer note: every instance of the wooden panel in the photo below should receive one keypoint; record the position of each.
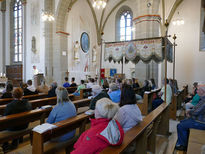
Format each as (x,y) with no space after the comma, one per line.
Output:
(196,141)
(14,73)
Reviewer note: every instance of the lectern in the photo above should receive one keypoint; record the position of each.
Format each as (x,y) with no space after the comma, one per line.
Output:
(38,78)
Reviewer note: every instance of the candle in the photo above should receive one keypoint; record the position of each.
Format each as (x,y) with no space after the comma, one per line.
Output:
(1,74)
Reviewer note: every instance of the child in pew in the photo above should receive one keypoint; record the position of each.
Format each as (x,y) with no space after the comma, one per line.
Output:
(18,105)
(129,115)
(63,110)
(196,120)
(104,130)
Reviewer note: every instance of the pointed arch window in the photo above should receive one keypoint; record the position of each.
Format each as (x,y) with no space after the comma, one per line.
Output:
(18,31)
(125,26)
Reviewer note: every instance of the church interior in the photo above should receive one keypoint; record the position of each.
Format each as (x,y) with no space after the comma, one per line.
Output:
(68,61)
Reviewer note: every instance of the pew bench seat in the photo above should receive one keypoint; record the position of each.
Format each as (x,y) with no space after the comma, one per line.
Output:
(20,119)
(196,141)
(6,136)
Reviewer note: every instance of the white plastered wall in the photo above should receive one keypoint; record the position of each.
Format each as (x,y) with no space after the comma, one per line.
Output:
(190,61)
(109,36)
(35,27)
(78,21)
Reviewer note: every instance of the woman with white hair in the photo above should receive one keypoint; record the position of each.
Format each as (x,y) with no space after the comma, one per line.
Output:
(104,130)
(63,110)
(196,120)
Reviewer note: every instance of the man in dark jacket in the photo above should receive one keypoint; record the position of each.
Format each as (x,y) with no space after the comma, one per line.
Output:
(98,93)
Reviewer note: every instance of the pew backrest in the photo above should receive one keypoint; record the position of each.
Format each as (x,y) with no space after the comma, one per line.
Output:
(63,127)
(140,133)
(29,97)
(50,101)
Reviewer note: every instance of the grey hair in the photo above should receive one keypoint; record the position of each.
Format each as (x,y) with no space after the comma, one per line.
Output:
(106,108)
(62,95)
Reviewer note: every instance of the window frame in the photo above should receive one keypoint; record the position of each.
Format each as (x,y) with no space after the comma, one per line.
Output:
(17,13)
(119,14)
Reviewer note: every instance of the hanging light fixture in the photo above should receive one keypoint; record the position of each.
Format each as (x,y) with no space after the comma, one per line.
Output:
(47,16)
(178,21)
(99,4)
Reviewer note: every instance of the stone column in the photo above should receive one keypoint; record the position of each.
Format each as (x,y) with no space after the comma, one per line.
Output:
(147,25)
(48,27)
(3,58)
(24,39)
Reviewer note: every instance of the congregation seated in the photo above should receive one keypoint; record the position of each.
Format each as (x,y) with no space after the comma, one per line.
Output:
(43,88)
(73,84)
(146,87)
(129,114)
(104,130)
(195,119)
(153,84)
(81,86)
(63,110)
(8,93)
(66,84)
(90,83)
(194,92)
(114,93)
(158,101)
(97,94)
(192,102)
(30,89)
(105,84)
(135,83)
(52,91)
(18,105)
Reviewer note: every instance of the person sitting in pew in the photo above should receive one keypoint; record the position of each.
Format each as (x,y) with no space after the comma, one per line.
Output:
(66,84)
(81,86)
(135,83)
(63,110)
(73,84)
(43,88)
(104,130)
(90,83)
(114,93)
(159,101)
(8,93)
(196,120)
(192,103)
(18,105)
(129,114)
(30,89)
(52,91)
(97,94)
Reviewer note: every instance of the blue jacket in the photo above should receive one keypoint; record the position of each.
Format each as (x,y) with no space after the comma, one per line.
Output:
(115,95)
(61,112)
(66,85)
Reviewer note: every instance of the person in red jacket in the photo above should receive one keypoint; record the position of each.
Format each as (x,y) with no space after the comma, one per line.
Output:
(104,130)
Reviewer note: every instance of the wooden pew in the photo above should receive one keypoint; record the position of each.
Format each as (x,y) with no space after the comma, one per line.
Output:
(196,141)
(50,101)
(20,119)
(138,90)
(84,93)
(144,134)
(147,101)
(71,89)
(29,97)
(39,140)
